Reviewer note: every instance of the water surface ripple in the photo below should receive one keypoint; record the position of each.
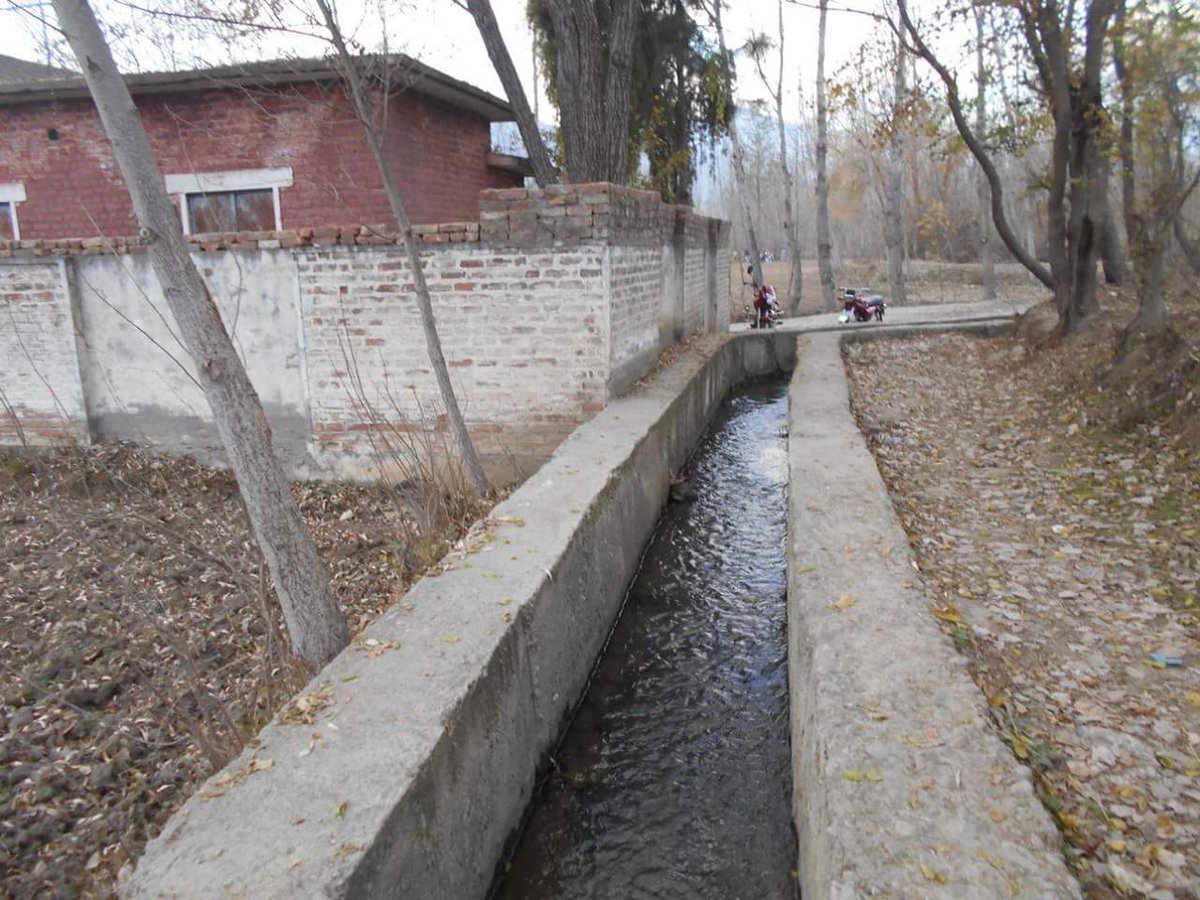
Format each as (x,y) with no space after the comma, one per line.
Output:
(674,779)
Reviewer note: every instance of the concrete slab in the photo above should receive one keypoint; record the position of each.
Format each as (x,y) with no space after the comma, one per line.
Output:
(931,314)
(903,787)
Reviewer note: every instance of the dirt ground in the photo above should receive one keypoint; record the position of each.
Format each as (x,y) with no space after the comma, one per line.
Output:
(136,654)
(1053,502)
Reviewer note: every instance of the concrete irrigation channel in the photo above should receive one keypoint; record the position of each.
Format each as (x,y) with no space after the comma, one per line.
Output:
(412,771)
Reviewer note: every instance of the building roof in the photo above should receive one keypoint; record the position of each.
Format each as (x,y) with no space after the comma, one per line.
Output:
(403,71)
(21,71)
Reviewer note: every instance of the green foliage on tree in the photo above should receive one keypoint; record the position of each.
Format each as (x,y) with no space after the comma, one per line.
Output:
(679,107)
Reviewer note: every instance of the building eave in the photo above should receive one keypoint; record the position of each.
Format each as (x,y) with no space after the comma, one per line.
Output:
(518,165)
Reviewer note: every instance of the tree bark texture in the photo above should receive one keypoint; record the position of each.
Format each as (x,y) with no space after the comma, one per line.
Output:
(1088,170)
(433,343)
(824,244)
(987,255)
(894,207)
(1190,248)
(1077,182)
(316,625)
(594,77)
(1146,247)
(489,30)
(1112,254)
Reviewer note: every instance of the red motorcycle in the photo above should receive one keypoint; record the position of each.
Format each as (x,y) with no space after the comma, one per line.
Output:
(765,312)
(766,308)
(859,305)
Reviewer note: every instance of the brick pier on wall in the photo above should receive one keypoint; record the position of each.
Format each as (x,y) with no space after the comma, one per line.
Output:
(556,301)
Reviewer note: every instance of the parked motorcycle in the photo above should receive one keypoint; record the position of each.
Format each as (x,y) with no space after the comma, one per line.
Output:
(763,317)
(860,305)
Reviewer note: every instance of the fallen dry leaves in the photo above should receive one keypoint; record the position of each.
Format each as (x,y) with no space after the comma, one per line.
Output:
(134,650)
(1062,558)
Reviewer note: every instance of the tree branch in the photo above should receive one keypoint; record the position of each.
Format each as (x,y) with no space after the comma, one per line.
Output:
(1023,256)
(485,20)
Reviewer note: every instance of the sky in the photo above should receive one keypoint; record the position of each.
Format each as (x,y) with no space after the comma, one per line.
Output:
(442,35)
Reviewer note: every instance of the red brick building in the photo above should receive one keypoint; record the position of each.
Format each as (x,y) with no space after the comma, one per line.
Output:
(258,147)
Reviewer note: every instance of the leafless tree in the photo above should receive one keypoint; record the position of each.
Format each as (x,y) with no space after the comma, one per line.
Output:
(317,626)
(986,254)
(757,48)
(489,30)
(365,107)
(1068,65)
(893,207)
(824,244)
(1154,58)
(713,7)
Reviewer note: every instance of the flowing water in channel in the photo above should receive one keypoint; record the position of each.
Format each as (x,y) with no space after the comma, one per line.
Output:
(674,780)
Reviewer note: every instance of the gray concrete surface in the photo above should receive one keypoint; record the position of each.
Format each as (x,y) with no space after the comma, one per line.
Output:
(903,788)
(898,316)
(138,380)
(424,737)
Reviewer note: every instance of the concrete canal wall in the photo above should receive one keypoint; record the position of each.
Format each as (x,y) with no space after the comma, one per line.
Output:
(415,753)
(902,786)
(420,745)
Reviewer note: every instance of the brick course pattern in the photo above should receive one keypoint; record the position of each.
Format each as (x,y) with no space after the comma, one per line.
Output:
(524,336)
(41,398)
(636,273)
(437,152)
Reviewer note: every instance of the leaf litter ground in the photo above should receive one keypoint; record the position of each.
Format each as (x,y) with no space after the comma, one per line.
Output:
(138,644)
(1061,553)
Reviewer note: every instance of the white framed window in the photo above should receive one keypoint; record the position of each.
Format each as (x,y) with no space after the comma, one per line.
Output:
(239,200)
(10,195)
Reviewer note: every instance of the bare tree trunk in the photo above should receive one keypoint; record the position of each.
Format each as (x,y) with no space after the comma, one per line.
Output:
(433,343)
(1089,169)
(489,30)
(824,244)
(894,207)
(317,627)
(1191,250)
(618,84)
(739,155)
(1112,256)
(986,254)
(999,218)
(791,302)
(1145,245)
(594,77)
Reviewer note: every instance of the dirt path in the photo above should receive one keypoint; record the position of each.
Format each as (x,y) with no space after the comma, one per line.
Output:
(1065,561)
(928,282)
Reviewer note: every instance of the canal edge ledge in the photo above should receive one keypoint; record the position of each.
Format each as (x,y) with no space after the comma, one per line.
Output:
(414,753)
(901,785)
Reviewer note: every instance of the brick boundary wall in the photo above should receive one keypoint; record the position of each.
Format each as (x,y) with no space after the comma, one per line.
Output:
(41,395)
(556,301)
(320,236)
